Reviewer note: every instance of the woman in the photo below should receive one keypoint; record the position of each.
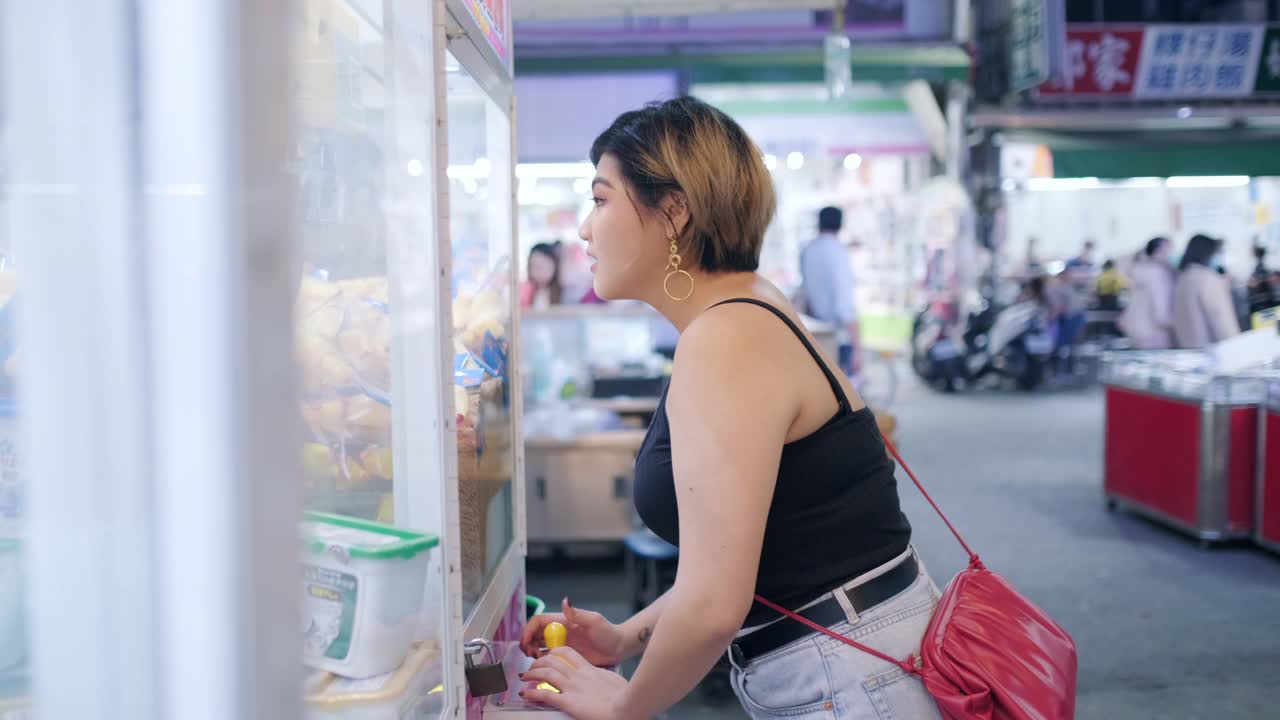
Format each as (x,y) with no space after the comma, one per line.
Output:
(761,463)
(1148,319)
(543,287)
(1203,311)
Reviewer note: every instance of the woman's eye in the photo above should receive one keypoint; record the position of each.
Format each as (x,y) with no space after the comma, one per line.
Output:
(597,201)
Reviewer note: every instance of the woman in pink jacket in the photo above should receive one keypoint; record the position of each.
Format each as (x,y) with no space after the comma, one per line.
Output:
(1148,319)
(1203,311)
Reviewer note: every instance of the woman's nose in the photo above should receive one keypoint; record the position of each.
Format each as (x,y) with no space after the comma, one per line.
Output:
(584,230)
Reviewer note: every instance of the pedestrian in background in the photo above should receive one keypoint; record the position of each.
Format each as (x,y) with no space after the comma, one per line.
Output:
(1068,307)
(1148,319)
(1203,311)
(542,288)
(1110,286)
(1083,268)
(827,287)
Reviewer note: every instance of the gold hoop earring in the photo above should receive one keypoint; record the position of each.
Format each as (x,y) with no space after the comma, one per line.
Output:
(673,269)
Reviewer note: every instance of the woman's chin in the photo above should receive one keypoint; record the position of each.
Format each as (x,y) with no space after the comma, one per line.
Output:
(606,290)
(602,291)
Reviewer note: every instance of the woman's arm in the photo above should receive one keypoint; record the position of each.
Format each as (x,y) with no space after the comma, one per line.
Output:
(729,409)
(637,631)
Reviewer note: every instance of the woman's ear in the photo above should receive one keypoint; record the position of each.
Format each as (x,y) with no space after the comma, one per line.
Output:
(675,208)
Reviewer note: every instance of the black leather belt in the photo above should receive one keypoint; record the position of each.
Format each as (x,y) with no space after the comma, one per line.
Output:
(826,613)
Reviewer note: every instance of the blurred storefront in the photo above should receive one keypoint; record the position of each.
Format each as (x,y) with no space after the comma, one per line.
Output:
(1125,130)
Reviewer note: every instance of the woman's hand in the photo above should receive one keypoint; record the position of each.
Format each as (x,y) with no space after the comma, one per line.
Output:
(586,692)
(597,640)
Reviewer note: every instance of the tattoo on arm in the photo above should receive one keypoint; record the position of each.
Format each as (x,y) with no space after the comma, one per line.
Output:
(645,634)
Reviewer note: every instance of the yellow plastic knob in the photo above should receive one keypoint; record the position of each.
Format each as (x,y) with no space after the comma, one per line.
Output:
(555,635)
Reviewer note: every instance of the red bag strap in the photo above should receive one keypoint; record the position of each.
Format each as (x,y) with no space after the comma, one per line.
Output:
(974,562)
(912,664)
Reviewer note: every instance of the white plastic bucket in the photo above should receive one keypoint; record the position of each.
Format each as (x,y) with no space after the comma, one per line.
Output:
(362,594)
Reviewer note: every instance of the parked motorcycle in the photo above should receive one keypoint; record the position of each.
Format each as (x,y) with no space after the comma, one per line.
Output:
(1013,343)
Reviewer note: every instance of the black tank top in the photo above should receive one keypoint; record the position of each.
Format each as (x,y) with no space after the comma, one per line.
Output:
(835,512)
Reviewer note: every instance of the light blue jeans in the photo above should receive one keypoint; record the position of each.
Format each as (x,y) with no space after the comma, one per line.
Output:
(821,677)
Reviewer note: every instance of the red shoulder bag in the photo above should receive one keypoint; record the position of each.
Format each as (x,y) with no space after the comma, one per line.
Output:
(988,653)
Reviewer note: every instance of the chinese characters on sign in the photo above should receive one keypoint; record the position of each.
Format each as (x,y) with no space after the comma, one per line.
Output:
(1099,62)
(1190,61)
(1028,50)
(1166,62)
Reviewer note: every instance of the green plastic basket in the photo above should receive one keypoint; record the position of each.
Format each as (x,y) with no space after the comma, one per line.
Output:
(533,606)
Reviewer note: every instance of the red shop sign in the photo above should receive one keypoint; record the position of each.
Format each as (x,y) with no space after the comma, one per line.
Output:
(1102,61)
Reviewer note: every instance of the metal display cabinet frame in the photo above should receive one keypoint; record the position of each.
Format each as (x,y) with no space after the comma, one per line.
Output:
(1266,530)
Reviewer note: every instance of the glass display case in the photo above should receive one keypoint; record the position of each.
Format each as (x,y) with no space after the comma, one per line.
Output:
(363,115)
(390,350)
(1182,441)
(480,218)
(1185,374)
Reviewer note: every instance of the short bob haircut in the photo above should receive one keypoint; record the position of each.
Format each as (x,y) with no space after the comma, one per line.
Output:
(686,146)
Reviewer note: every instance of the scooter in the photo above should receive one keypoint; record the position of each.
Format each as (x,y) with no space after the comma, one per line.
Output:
(1013,343)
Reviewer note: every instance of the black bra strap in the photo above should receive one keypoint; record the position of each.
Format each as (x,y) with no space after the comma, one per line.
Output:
(845,407)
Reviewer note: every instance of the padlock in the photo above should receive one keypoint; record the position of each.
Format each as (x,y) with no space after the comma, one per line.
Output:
(485,678)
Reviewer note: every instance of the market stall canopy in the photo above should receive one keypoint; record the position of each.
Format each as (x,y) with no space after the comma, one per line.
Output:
(1128,154)
(1147,141)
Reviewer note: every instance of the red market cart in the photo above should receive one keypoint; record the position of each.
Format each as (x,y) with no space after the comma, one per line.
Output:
(1182,442)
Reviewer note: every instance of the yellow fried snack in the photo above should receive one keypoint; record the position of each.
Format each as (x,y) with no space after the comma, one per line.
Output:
(367,420)
(377,461)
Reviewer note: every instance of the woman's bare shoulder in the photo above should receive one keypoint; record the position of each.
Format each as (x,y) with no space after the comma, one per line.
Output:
(738,343)
(730,365)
